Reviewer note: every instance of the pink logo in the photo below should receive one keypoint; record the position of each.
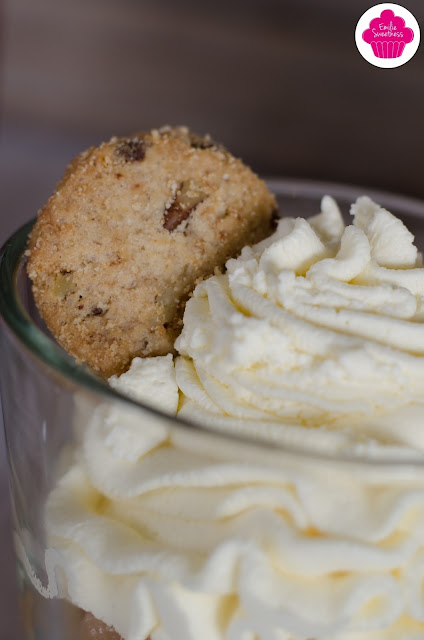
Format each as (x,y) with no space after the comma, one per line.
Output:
(388,35)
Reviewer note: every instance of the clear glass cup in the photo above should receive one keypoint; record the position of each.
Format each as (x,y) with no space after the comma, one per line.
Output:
(48,402)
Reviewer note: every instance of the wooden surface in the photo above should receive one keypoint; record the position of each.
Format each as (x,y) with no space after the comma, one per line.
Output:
(279,82)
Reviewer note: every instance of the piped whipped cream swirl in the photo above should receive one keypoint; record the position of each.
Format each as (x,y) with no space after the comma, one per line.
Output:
(312,338)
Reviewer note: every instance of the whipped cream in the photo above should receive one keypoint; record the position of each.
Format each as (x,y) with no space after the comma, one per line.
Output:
(313,338)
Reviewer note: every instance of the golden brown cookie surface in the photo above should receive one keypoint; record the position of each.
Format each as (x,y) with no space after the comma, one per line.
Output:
(132,226)
(94,629)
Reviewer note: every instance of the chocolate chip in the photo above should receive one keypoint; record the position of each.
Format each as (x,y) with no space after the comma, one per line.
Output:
(96,311)
(186,200)
(199,142)
(80,306)
(174,216)
(131,150)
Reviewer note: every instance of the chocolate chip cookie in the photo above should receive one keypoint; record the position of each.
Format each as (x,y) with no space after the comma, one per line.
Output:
(132,227)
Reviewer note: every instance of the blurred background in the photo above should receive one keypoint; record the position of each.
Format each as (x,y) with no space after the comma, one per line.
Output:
(280,82)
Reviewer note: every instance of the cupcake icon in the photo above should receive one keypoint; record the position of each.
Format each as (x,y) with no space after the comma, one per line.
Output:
(388,35)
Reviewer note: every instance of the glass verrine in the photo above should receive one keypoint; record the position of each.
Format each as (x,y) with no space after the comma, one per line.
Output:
(332,549)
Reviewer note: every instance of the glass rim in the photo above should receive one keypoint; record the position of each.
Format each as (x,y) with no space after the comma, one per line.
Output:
(45,349)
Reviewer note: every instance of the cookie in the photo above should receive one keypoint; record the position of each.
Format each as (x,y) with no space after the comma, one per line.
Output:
(132,227)
(92,628)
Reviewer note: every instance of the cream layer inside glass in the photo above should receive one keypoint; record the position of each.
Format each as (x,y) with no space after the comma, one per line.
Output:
(313,338)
